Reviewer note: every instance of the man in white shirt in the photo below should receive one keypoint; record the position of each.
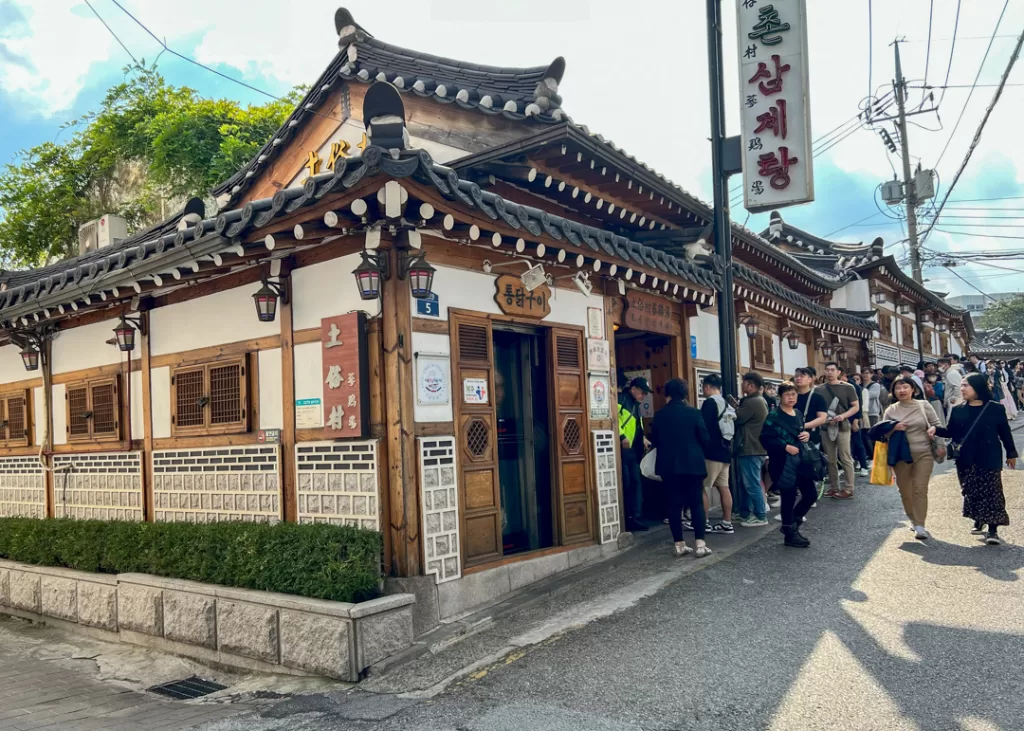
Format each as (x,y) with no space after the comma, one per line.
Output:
(952,376)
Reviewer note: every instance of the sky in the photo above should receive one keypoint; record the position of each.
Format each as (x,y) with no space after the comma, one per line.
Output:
(636,73)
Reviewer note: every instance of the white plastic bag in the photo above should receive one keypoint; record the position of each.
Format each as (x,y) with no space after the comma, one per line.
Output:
(647,465)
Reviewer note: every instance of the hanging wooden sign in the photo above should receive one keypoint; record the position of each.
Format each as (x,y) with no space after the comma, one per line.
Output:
(513,299)
(649,312)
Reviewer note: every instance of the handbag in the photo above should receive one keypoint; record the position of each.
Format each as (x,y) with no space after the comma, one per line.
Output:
(881,472)
(938,446)
(647,465)
(953,451)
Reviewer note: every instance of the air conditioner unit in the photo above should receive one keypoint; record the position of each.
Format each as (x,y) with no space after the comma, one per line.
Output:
(104,231)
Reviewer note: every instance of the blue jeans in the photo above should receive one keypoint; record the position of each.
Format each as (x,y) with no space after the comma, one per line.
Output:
(750,497)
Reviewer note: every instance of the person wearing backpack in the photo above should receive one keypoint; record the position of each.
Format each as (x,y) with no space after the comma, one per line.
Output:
(720,419)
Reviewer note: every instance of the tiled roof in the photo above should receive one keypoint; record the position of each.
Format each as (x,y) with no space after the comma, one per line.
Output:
(514,93)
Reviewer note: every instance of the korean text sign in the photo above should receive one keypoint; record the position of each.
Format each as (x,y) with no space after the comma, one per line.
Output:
(774,103)
(346,376)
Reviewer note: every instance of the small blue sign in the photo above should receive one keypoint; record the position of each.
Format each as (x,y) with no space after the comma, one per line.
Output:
(429,307)
(693,346)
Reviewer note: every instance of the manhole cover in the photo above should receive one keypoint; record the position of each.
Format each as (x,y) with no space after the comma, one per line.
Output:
(183,690)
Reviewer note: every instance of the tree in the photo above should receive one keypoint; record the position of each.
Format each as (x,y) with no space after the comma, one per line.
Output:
(1007,314)
(149,147)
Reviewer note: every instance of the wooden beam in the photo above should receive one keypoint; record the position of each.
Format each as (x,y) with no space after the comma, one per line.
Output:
(215,352)
(148,513)
(403,480)
(435,429)
(112,369)
(289,494)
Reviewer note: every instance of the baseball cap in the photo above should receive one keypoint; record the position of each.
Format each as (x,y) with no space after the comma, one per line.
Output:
(641,383)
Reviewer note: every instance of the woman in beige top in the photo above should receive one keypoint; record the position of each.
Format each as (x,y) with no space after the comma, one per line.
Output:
(918,420)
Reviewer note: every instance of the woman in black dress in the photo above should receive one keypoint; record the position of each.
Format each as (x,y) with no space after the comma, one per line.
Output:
(979,425)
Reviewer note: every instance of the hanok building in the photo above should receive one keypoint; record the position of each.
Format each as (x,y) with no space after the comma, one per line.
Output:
(448,276)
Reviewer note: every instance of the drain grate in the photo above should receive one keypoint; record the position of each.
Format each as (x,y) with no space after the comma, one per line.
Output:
(183,690)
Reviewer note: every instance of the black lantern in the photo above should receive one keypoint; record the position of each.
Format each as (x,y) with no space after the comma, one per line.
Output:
(30,357)
(879,296)
(421,277)
(905,308)
(368,275)
(793,338)
(942,327)
(827,349)
(751,325)
(125,334)
(841,353)
(266,301)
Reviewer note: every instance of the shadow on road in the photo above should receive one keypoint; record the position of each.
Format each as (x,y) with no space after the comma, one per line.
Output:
(996,562)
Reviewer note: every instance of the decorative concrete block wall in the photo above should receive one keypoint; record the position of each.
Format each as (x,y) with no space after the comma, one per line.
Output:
(253,630)
(22,487)
(607,484)
(98,486)
(337,483)
(440,507)
(218,484)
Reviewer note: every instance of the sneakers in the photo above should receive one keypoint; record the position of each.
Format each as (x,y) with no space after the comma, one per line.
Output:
(830,492)
(842,495)
(681,549)
(993,539)
(753,522)
(774,501)
(779,518)
(687,526)
(863,472)
(920,533)
(978,529)
(722,526)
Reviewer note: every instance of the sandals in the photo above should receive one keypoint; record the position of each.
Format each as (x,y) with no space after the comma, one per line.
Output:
(702,551)
(681,549)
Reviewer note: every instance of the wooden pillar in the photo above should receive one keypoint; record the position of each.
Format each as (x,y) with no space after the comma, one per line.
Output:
(289,497)
(46,356)
(378,430)
(148,511)
(403,478)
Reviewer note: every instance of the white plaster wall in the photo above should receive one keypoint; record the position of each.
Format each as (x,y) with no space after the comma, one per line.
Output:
(60,415)
(326,289)
(858,295)
(462,289)
(776,343)
(85,347)
(12,367)
(705,327)
(433,344)
(271,395)
(138,428)
(954,347)
(160,391)
(743,357)
(840,298)
(223,317)
(39,414)
(795,358)
(309,365)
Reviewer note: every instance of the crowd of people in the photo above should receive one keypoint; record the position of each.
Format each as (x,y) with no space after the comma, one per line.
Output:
(797,442)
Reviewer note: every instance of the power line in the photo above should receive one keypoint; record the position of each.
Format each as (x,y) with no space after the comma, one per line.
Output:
(111,31)
(980,200)
(928,52)
(984,236)
(952,49)
(957,275)
(976,78)
(855,223)
(981,125)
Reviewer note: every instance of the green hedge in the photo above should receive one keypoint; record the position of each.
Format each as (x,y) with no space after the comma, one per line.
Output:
(318,561)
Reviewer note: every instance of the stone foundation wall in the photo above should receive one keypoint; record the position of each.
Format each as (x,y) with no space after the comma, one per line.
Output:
(236,627)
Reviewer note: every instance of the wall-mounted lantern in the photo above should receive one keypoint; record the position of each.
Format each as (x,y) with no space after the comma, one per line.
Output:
(266,298)
(124,333)
(30,357)
(751,325)
(412,265)
(793,338)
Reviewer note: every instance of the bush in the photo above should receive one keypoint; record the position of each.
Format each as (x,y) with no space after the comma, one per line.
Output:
(318,561)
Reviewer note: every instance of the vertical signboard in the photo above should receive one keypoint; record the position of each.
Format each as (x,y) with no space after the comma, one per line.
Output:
(346,376)
(775,106)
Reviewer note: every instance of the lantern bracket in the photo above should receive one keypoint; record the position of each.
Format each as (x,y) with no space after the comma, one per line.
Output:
(278,287)
(137,322)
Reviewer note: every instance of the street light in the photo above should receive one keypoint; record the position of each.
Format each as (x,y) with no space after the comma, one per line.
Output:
(793,338)
(421,277)
(827,349)
(751,325)
(368,275)
(879,296)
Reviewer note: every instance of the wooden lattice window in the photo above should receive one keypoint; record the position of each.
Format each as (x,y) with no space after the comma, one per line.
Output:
(94,410)
(14,419)
(943,344)
(908,333)
(885,324)
(210,398)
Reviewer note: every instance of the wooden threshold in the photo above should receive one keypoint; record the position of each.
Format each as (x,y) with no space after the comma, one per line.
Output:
(539,553)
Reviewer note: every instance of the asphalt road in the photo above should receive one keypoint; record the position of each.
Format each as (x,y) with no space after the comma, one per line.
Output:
(867,629)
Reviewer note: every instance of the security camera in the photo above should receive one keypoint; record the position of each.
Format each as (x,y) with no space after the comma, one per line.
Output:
(582,281)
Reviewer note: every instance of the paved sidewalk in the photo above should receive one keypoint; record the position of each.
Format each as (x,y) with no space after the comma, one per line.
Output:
(40,694)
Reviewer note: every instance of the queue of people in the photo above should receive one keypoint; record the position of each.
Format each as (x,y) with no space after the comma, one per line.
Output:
(810,437)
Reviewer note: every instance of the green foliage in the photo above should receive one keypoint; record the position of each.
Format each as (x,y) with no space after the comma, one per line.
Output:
(1008,314)
(149,147)
(339,563)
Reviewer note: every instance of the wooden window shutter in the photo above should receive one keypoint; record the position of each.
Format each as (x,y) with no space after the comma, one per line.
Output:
(210,398)
(474,343)
(78,411)
(17,423)
(188,398)
(104,408)
(226,394)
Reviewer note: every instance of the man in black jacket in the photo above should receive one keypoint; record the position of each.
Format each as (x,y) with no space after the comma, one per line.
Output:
(719,452)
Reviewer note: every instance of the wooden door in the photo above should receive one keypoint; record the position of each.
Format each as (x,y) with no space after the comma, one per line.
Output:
(570,433)
(476,433)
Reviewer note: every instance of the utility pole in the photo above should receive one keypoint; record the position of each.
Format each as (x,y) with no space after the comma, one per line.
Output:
(720,176)
(910,193)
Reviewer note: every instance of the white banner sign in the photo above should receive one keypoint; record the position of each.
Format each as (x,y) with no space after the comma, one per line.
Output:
(775,106)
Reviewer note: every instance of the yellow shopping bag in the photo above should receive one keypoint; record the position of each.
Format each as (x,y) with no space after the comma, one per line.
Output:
(881,472)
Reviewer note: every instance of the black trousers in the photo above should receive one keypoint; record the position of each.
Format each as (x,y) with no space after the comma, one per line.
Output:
(632,494)
(793,511)
(685,491)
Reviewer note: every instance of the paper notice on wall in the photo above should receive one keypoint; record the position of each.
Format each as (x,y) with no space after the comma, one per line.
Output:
(475,391)
(309,413)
